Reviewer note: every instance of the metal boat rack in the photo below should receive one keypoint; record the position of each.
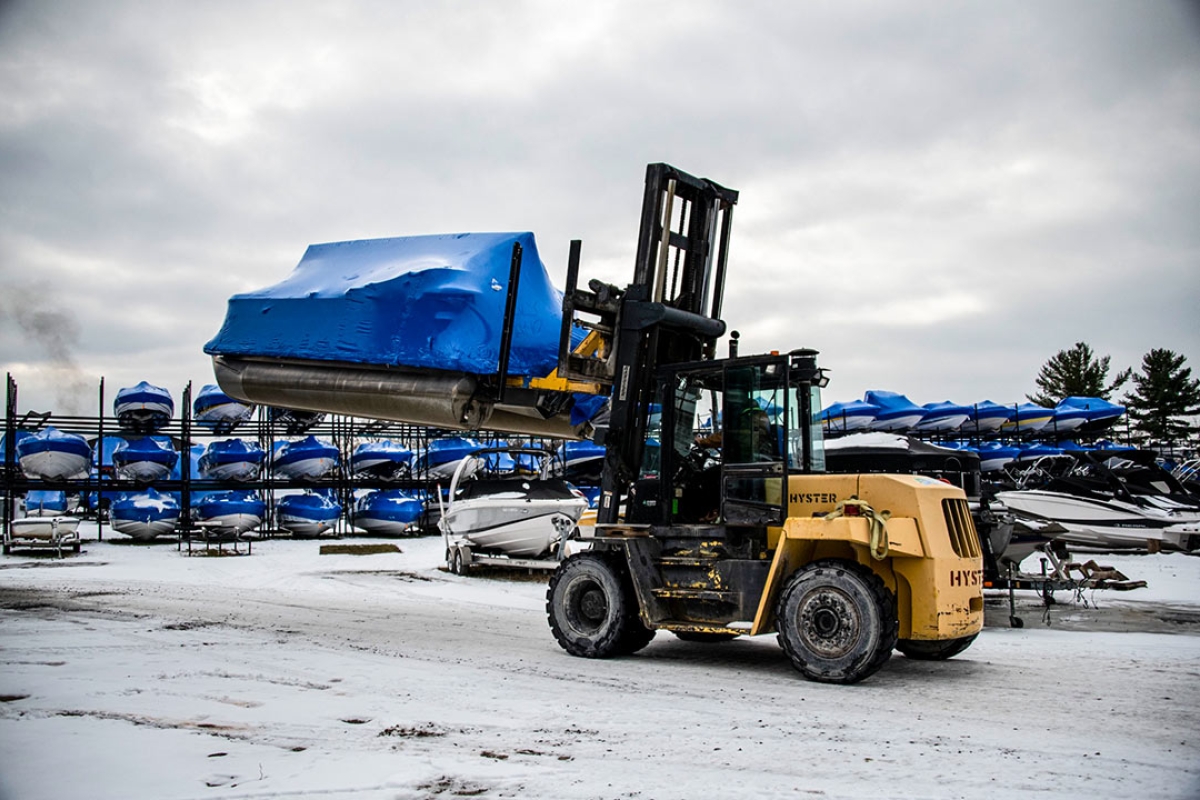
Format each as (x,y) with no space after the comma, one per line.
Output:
(345,432)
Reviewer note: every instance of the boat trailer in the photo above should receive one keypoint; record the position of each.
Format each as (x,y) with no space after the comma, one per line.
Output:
(1058,574)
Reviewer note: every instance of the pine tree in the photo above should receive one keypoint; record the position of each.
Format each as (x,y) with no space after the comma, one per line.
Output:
(1075,373)
(1163,395)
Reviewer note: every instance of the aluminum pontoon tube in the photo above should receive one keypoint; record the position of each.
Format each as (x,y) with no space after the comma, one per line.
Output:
(440,400)
(420,398)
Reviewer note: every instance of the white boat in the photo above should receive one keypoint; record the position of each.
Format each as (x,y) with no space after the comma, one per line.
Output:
(521,517)
(58,532)
(1119,502)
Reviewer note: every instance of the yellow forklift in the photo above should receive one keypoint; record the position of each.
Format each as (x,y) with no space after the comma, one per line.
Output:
(716,518)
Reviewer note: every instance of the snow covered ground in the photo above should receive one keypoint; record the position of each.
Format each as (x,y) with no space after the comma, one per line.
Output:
(135,671)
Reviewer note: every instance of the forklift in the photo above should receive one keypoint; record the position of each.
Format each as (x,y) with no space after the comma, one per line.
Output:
(739,531)
(716,516)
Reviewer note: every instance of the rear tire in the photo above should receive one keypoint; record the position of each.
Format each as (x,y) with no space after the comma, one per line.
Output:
(636,635)
(837,621)
(921,650)
(591,608)
(458,563)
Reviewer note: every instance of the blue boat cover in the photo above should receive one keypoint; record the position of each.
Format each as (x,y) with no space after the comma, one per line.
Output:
(144,395)
(148,506)
(419,301)
(312,506)
(1096,407)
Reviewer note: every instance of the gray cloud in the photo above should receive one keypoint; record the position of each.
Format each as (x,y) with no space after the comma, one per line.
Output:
(937,197)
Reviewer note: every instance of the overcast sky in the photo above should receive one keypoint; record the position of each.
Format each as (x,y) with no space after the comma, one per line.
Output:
(937,196)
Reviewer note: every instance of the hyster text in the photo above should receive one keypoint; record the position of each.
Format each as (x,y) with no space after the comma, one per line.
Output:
(966,577)
(812,497)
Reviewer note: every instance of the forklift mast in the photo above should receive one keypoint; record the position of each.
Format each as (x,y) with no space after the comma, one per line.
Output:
(669,314)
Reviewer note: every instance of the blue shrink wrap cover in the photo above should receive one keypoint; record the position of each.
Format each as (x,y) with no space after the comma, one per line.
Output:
(419,301)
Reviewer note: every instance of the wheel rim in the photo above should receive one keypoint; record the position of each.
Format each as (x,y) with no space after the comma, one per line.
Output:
(829,623)
(587,603)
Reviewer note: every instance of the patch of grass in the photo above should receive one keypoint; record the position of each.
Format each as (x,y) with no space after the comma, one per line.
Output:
(358,549)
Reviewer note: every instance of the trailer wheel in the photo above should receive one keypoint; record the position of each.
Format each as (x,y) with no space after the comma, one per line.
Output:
(922,650)
(591,609)
(837,621)
(458,564)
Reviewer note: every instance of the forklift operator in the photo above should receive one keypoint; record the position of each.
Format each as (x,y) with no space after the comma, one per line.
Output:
(754,438)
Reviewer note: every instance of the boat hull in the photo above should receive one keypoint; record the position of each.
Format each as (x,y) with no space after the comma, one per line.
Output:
(307,515)
(387,513)
(234,522)
(145,515)
(514,526)
(143,530)
(309,459)
(1101,524)
(52,455)
(46,529)
(231,471)
(231,512)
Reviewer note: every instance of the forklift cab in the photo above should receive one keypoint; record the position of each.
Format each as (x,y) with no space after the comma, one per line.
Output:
(728,434)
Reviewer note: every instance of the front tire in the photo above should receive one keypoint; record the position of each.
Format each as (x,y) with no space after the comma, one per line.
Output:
(922,650)
(837,621)
(591,608)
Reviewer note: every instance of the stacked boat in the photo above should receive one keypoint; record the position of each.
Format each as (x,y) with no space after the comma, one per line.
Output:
(893,412)
(145,515)
(307,459)
(143,408)
(308,514)
(442,457)
(388,512)
(146,459)
(1105,499)
(54,455)
(231,460)
(381,459)
(214,409)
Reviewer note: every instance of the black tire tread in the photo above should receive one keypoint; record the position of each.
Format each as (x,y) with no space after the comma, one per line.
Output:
(921,650)
(626,634)
(889,623)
